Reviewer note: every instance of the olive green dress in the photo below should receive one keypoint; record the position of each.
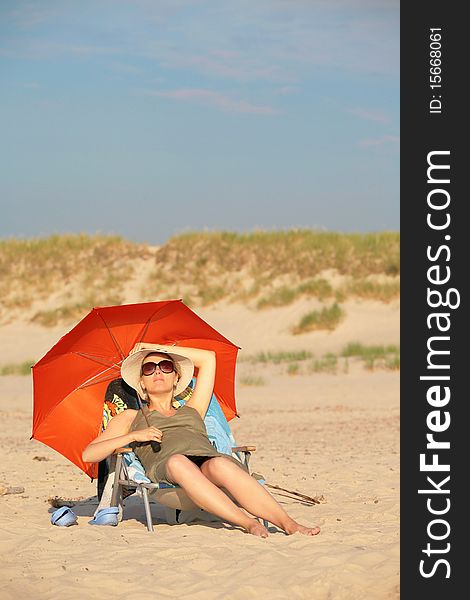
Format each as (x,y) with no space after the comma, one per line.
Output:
(183,433)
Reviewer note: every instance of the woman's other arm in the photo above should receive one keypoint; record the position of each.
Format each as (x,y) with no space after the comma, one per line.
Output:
(116,435)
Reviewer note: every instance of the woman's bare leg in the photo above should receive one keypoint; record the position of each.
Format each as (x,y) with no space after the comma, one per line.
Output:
(208,496)
(251,495)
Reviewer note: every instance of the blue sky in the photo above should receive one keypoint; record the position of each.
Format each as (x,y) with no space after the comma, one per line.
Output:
(148,118)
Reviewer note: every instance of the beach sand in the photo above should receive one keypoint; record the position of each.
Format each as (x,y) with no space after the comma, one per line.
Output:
(331,436)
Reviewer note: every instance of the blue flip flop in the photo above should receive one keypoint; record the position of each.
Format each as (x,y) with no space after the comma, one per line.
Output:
(106,516)
(63,517)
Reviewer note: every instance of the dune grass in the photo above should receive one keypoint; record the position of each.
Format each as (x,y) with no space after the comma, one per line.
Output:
(328,363)
(263,268)
(304,252)
(279,297)
(358,349)
(36,269)
(304,362)
(202,259)
(42,260)
(293,368)
(73,312)
(252,380)
(284,295)
(392,363)
(327,318)
(319,288)
(370,290)
(373,356)
(276,357)
(210,294)
(23,368)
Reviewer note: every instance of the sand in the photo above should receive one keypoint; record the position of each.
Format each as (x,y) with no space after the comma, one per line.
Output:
(331,436)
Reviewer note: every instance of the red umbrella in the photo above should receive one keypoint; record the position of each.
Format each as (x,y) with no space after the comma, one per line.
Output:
(70,381)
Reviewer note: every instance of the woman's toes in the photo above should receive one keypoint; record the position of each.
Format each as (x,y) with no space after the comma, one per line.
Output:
(303,530)
(258,530)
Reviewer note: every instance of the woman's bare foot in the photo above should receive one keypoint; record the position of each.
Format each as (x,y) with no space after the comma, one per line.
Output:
(255,528)
(295,527)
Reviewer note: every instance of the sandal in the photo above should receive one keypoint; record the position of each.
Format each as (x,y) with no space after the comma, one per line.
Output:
(106,516)
(64,517)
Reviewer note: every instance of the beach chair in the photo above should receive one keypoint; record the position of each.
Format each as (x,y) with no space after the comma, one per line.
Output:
(122,474)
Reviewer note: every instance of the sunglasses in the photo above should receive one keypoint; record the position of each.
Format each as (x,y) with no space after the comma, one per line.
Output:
(165,366)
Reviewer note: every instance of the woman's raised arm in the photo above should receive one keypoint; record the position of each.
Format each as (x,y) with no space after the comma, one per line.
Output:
(205,362)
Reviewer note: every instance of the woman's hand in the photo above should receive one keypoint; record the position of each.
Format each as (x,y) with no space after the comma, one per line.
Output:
(150,434)
(199,356)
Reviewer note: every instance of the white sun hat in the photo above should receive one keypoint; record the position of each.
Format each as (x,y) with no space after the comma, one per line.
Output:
(132,365)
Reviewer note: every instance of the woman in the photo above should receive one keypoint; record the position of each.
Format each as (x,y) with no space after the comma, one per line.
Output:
(186,457)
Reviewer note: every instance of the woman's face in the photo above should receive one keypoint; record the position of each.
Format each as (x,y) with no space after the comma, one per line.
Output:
(158,381)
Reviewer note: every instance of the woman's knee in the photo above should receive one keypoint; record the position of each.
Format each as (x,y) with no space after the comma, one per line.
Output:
(177,464)
(217,465)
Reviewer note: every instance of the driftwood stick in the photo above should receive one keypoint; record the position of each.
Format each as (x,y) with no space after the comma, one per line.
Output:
(295,498)
(304,496)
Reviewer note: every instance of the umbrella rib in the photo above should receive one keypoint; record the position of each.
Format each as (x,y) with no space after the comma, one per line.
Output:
(141,336)
(98,378)
(118,347)
(98,359)
(145,328)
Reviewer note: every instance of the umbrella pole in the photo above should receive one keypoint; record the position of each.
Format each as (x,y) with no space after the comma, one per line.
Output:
(155,445)
(141,406)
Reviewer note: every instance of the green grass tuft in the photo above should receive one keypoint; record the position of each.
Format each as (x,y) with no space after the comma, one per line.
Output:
(358,349)
(362,288)
(23,368)
(293,369)
(327,364)
(327,318)
(303,361)
(72,312)
(211,294)
(373,356)
(392,363)
(319,288)
(252,380)
(280,297)
(276,357)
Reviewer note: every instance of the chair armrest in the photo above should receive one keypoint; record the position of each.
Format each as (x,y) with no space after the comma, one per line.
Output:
(121,450)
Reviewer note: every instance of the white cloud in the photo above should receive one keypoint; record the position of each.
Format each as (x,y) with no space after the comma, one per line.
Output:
(385,139)
(370,114)
(215,99)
